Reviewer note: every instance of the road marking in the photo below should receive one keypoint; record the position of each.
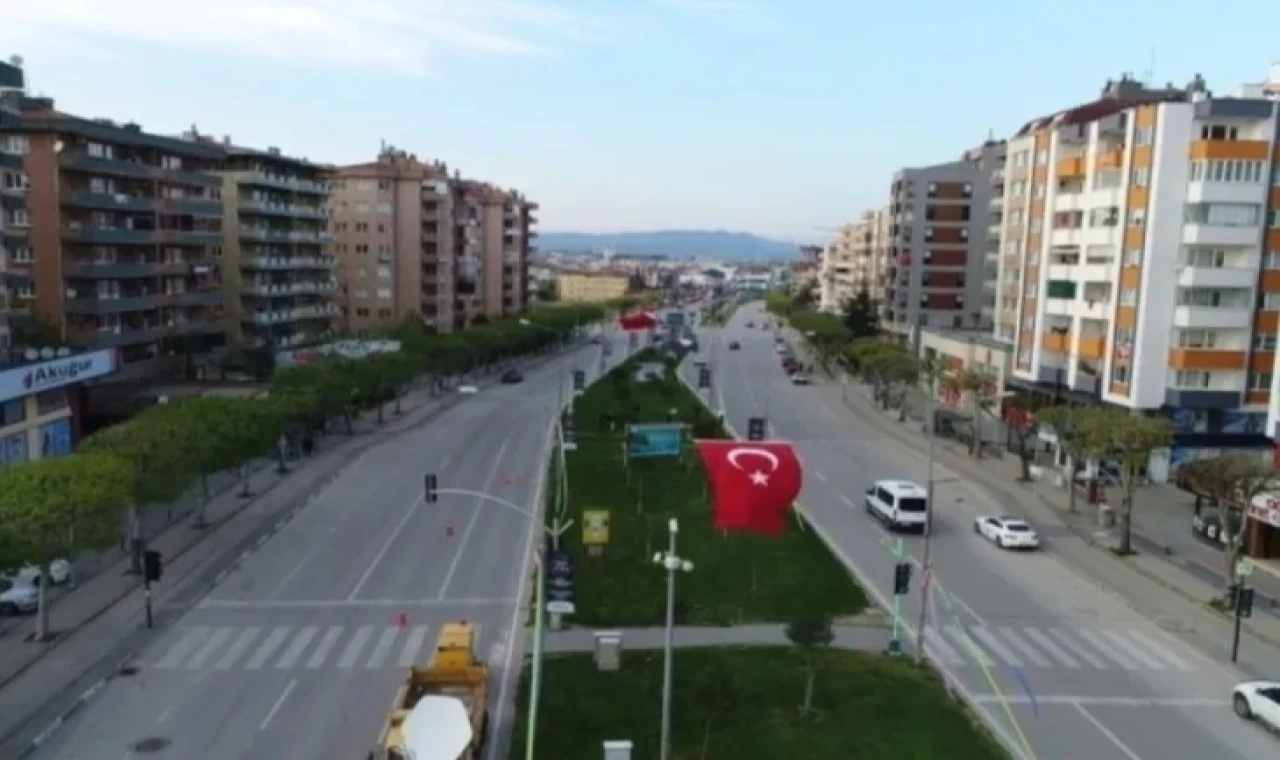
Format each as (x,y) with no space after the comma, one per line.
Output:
(995,645)
(1107,732)
(1134,650)
(242,643)
(477,505)
(349,655)
(395,533)
(214,643)
(1053,649)
(820,476)
(444,463)
(327,604)
(1017,642)
(847,501)
(1071,700)
(326,645)
(268,647)
(383,648)
(296,647)
(1106,648)
(279,702)
(289,576)
(1160,649)
(184,646)
(413,645)
(164,714)
(937,648)
(1080,651)
(967,646)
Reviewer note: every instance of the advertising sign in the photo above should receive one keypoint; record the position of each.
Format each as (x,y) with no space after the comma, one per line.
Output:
(595,527)
(48,375)
(559,582)
(569,431)
(654,440)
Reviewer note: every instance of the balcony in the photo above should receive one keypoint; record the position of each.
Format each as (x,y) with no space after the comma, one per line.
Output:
(1213,234)
(124,236)
(1213,317)
(1229,150)
(131,270)
(78,161)
(282,316)
(144,302)
(283,210)
(1071,167)
(1207,359)
(279,182)
(279,263)
(1109,159)
(1055,342)
(1216,277)
(130,336)
(287,290)
(126,202)
(1092,347)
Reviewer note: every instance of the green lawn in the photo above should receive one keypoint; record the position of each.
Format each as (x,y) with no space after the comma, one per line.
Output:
(737,577)
(743,704)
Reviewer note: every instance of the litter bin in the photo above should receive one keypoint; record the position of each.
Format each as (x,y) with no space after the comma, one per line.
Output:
(1106,516)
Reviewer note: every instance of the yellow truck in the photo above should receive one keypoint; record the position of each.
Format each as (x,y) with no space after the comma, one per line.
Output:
(440,711)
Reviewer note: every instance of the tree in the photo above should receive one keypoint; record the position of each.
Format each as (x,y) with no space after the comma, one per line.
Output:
(1127,441)
(636,283)
(1065,422)
(810,633)
(974,385)
(861,315)
(547,291)
(805,298)
(1231,482)
(59,507)
(718,693)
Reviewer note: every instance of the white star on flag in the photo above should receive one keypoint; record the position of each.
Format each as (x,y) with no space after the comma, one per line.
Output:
(759,479)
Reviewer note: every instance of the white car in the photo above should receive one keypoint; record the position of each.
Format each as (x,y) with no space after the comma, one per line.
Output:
(468,389)
(17,597)
(1007,532)
(1258,700)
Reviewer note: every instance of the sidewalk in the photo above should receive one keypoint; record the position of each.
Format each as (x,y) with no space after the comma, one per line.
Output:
(1166,592)
(868,637)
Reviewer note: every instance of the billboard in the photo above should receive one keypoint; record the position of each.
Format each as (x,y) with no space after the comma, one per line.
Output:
(654,440)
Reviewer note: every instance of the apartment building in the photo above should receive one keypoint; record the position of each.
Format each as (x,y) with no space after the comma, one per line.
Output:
(858,260)
(590,287)
(941,222)
(806,270)
(277,264)
(12,148)
(1144,245)
(413,239)
(119,234)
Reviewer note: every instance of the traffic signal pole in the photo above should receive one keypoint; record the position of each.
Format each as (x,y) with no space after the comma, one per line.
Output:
(901,584)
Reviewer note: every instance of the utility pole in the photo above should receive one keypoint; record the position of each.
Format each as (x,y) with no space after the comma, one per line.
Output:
(671,562)
(926,568)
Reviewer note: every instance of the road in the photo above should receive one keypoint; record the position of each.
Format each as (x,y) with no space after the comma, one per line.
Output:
(1051,657)
(298,651)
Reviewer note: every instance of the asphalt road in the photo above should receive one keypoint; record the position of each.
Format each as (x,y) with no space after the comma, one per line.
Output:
(298,652)
(1049,656)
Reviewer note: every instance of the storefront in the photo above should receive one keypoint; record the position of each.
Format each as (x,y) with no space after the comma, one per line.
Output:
(1262,535)
(40,404)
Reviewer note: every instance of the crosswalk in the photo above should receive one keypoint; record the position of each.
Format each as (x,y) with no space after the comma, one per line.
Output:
(306,647)
(1064,647)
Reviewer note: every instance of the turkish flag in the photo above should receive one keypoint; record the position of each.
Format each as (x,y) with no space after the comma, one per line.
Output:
(638,320)
(753,483)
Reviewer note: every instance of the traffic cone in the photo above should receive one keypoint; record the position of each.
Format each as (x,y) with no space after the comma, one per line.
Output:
(402,619)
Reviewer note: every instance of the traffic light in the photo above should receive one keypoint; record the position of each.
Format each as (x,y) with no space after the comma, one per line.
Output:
(901,578)
(430,495)
(704,377)
(152,567)
(755,429)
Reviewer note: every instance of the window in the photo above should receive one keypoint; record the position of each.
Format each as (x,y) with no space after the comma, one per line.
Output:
(1208,297)
(13,412)
(13,449)
(1031,290)
(1187,378)
(1197,339)
(1128,296)
(384,273)
(384,208)
(1037,190)
(1259,381)
(1106,179)
(384,294)
(1271,260)
(1120,374)
(1124,336)
(1264,341)
(51,401)
(384,184)
(1144,136)
(1270,301)
(15,181)
(1211,258)
(1219,132)
(1273,218)
(1132,257)
(1137,217)
(1107,216)
(1140,177)
(362,226)
(1223,214)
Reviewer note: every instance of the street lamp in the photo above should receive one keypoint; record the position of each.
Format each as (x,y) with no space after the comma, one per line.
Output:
(535,678)
(671,562)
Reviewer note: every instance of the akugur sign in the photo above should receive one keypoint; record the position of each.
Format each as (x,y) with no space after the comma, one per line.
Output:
(55,373)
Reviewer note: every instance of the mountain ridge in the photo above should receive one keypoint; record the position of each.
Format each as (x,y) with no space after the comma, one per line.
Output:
(719,244)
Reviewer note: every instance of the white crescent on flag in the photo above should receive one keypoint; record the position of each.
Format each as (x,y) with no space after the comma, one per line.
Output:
(735,454)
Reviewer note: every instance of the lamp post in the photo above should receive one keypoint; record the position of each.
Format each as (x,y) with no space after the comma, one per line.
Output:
(560,383)
(535,675)
(671,562)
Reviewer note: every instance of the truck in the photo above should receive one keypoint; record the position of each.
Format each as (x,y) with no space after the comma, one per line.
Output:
(440,711)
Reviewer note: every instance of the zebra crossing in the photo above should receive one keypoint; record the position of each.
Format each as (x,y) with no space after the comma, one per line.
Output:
(285,647)
(1066,647)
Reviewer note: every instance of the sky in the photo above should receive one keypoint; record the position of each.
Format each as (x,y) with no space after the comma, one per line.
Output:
(780,117)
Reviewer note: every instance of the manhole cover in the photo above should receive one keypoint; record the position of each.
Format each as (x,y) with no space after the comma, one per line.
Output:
(128,670)
(154,744)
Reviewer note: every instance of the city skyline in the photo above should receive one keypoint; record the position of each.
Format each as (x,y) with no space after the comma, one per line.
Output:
(596,112)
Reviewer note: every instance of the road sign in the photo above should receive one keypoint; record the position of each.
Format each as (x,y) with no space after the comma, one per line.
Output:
(704,377)
(559,577)
(560,608)
(579,381)
(569,431)
(1244,568)
(595,527)
(756,429)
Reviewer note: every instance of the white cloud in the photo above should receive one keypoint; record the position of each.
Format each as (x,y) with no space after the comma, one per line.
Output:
(399,34)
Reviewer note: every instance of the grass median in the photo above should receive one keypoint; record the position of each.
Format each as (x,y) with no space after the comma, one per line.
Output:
(744,704)
(737,577)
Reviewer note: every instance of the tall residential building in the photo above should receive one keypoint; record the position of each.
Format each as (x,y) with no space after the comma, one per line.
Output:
(941,217)
(12,185)
(123,232)
(413,239)
(835,275)
(277,264)
(1143,240)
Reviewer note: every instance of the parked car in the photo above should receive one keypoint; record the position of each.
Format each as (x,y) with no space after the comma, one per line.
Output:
(17,597)
(512,376)
(1007,532)
(1258,700)
(734,345)
(799,378)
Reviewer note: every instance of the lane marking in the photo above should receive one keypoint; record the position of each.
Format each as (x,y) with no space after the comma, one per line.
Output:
(1052,648)
(296,647)
(289,576)
(820,476)
(352,652)
(989,639)
(1161,650)
(395,533)
(847,501)
(966,645)
(324,604)
(477,505)
(937,648)
(219,637)
(326,645)
(164,714)
(191,638)
(279,703)
(383,648)
(1108,651)
(241,644)
(413,645)
(1072,700)
(1107,733)
(268,647)
(1020,644)
(1134,650)
(1079,650)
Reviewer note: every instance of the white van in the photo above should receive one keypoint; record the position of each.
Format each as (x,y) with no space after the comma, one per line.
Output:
(900,504)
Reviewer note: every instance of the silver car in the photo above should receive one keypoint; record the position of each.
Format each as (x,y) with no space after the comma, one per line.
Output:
(17,597)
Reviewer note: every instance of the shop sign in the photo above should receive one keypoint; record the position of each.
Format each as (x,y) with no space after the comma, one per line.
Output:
(1266,508)
(55,373)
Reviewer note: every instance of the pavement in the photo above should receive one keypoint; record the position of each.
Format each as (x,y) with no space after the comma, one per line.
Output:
(867,638)
(1065,653)
(285,632)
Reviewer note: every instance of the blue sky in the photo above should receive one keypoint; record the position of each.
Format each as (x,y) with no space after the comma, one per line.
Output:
(780,117)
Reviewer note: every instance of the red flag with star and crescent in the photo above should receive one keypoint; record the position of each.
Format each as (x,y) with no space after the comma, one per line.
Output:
(638,321)
(753,483)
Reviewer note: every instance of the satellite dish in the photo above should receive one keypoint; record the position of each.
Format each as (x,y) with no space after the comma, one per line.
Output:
(46,353)
(64,351)
(31,354)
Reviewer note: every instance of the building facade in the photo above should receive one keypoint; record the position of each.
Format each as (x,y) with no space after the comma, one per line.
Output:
(12,206)
(941,221)
(40,402)
(277,261)
(123,230)
(583,287)
(859,260)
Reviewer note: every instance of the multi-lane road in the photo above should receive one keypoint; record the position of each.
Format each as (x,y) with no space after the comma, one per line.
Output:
(1055,662)
(298,651)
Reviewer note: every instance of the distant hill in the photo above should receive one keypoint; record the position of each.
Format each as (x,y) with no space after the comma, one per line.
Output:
(715,244)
